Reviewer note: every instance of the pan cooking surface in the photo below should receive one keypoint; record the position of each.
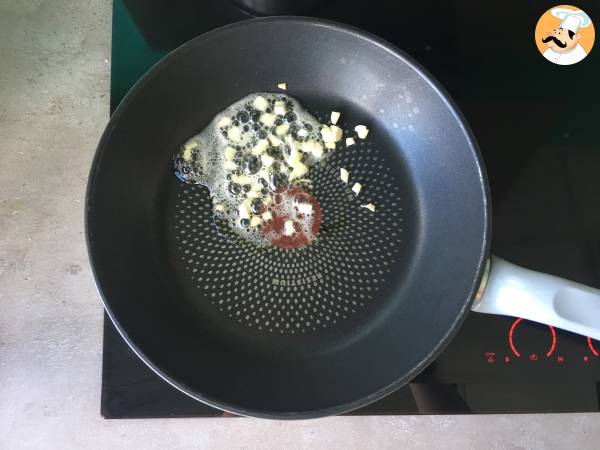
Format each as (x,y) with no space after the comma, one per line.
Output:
(308,289)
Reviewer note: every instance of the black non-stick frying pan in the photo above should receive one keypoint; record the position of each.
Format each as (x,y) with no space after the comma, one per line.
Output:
(308,332)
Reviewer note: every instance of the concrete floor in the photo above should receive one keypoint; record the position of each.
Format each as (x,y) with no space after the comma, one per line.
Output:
(54,81)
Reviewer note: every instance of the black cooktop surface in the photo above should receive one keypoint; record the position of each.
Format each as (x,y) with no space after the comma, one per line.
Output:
(536,124)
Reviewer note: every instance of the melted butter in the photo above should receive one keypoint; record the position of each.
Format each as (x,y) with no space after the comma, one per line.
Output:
(262,144)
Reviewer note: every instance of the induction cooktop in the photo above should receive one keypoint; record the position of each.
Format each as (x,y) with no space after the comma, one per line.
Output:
(536,125)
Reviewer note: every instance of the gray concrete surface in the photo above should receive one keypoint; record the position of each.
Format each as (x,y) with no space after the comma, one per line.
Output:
(54,80)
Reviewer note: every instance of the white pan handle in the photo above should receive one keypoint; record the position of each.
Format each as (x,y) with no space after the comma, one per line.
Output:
(514,291)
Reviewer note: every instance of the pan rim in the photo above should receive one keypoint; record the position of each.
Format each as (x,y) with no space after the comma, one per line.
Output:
(393,51)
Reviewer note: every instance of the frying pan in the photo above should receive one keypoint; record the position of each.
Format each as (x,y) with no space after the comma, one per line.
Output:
(370,303)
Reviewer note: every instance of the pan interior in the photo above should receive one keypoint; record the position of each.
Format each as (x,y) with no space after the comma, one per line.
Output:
(310,331)
(273,299)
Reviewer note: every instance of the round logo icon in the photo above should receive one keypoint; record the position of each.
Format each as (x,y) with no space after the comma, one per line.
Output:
(564,35)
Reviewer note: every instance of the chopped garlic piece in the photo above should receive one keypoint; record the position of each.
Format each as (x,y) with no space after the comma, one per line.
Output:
(275,141)
(295,156)
(350,141)
(327,134)
(187,154)
(268,119)
(230,165)
(312,147)
(253,194)
(244,210)
(279,108)
(267,160)
(298,170)
(241,179)
(282,129)
(302,133)
(330,145)
(266,216)
(356,188)
(191,145)
(305,208)
(260,147)
(219,207)
(334,117)
(255,221)
(282,86)
(234,134)
(307,146)
(369,206)
(317,151)
(362,131)
(224,122)
(229,153)
(260,103)
(288,227)
(331,134)
(337,132)
(344,175)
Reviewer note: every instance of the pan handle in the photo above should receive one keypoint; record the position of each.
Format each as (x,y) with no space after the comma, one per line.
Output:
(511,290)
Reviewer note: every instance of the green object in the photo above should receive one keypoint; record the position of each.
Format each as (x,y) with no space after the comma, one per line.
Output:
(145,31)
(132,57)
